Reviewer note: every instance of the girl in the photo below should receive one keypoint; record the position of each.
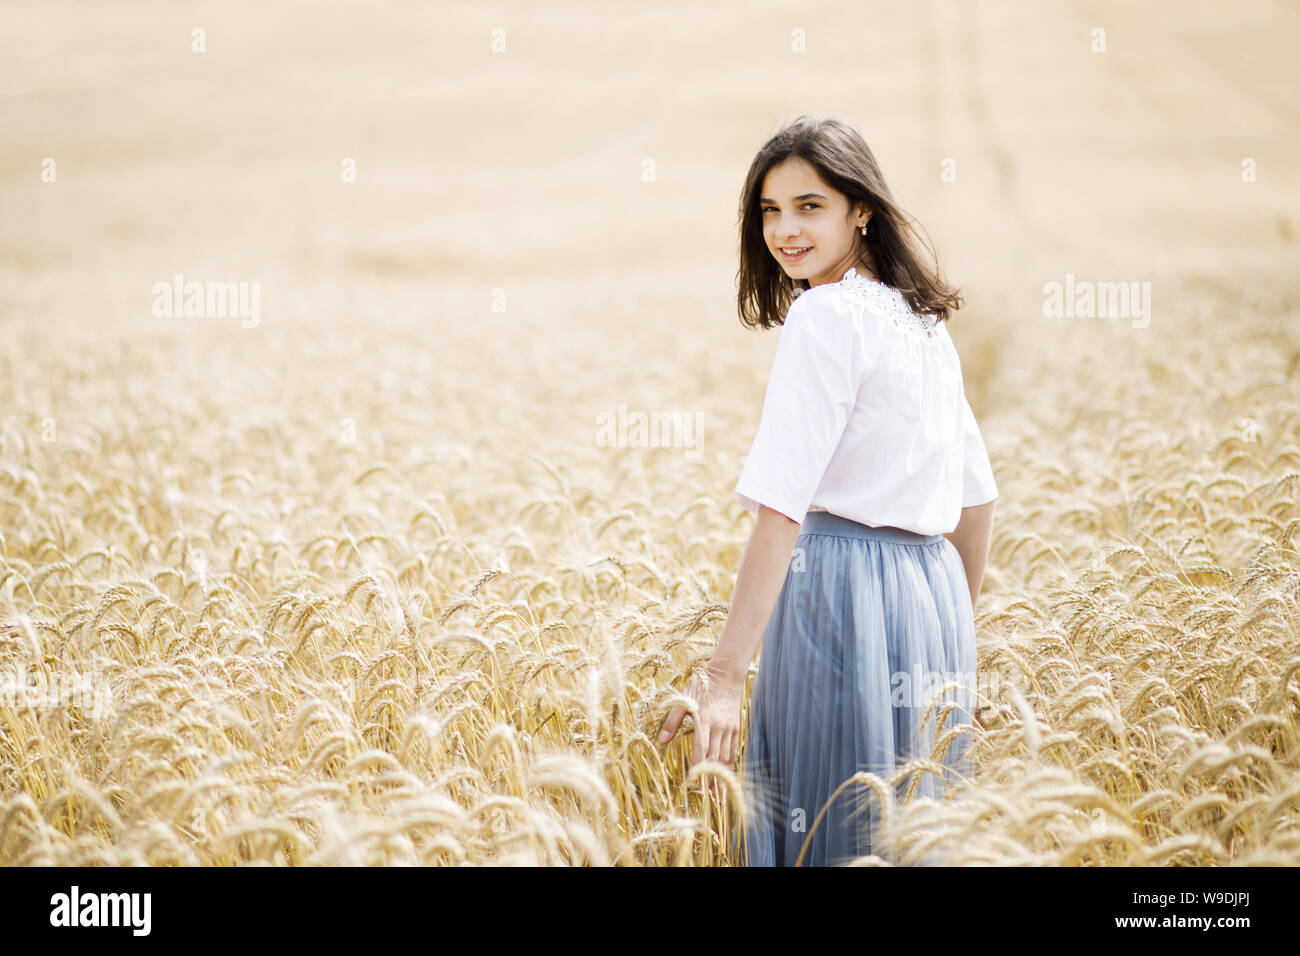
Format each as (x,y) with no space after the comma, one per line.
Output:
(869,470)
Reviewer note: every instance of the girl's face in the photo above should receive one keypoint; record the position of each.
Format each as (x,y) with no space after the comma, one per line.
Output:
(808,226)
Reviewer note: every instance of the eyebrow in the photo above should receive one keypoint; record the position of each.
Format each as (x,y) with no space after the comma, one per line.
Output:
(796,198)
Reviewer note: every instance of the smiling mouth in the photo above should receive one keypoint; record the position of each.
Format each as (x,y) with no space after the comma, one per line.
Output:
(793,250)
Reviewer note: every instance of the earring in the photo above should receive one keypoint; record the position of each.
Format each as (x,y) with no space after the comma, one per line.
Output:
(864,230)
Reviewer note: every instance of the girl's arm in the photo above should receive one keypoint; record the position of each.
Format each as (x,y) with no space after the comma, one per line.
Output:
(763,567)
(971,537)
(720,688)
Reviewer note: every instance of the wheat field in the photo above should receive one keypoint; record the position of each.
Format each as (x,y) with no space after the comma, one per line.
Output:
(362,575)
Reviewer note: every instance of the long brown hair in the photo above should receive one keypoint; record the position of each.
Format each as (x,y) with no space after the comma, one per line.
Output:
(844,160)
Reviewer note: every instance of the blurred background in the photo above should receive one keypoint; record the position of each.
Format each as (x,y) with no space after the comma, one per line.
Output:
(587,160)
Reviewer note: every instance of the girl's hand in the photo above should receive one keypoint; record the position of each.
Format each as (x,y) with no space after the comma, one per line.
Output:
(718,695)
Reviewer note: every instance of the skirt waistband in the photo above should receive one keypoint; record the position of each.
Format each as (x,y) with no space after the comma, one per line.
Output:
(823,522)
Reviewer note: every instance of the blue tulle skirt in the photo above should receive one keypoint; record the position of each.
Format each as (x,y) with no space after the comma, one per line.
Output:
(870,625)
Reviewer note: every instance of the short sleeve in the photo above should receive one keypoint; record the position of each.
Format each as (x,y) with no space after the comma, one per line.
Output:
(978,486)
(819,366)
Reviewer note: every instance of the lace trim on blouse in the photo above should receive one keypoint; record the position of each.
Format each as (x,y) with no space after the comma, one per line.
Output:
(887,301)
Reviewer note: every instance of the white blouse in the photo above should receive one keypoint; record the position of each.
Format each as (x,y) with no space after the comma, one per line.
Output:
(865,416)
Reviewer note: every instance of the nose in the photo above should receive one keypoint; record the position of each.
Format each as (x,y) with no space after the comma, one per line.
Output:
(787,237)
